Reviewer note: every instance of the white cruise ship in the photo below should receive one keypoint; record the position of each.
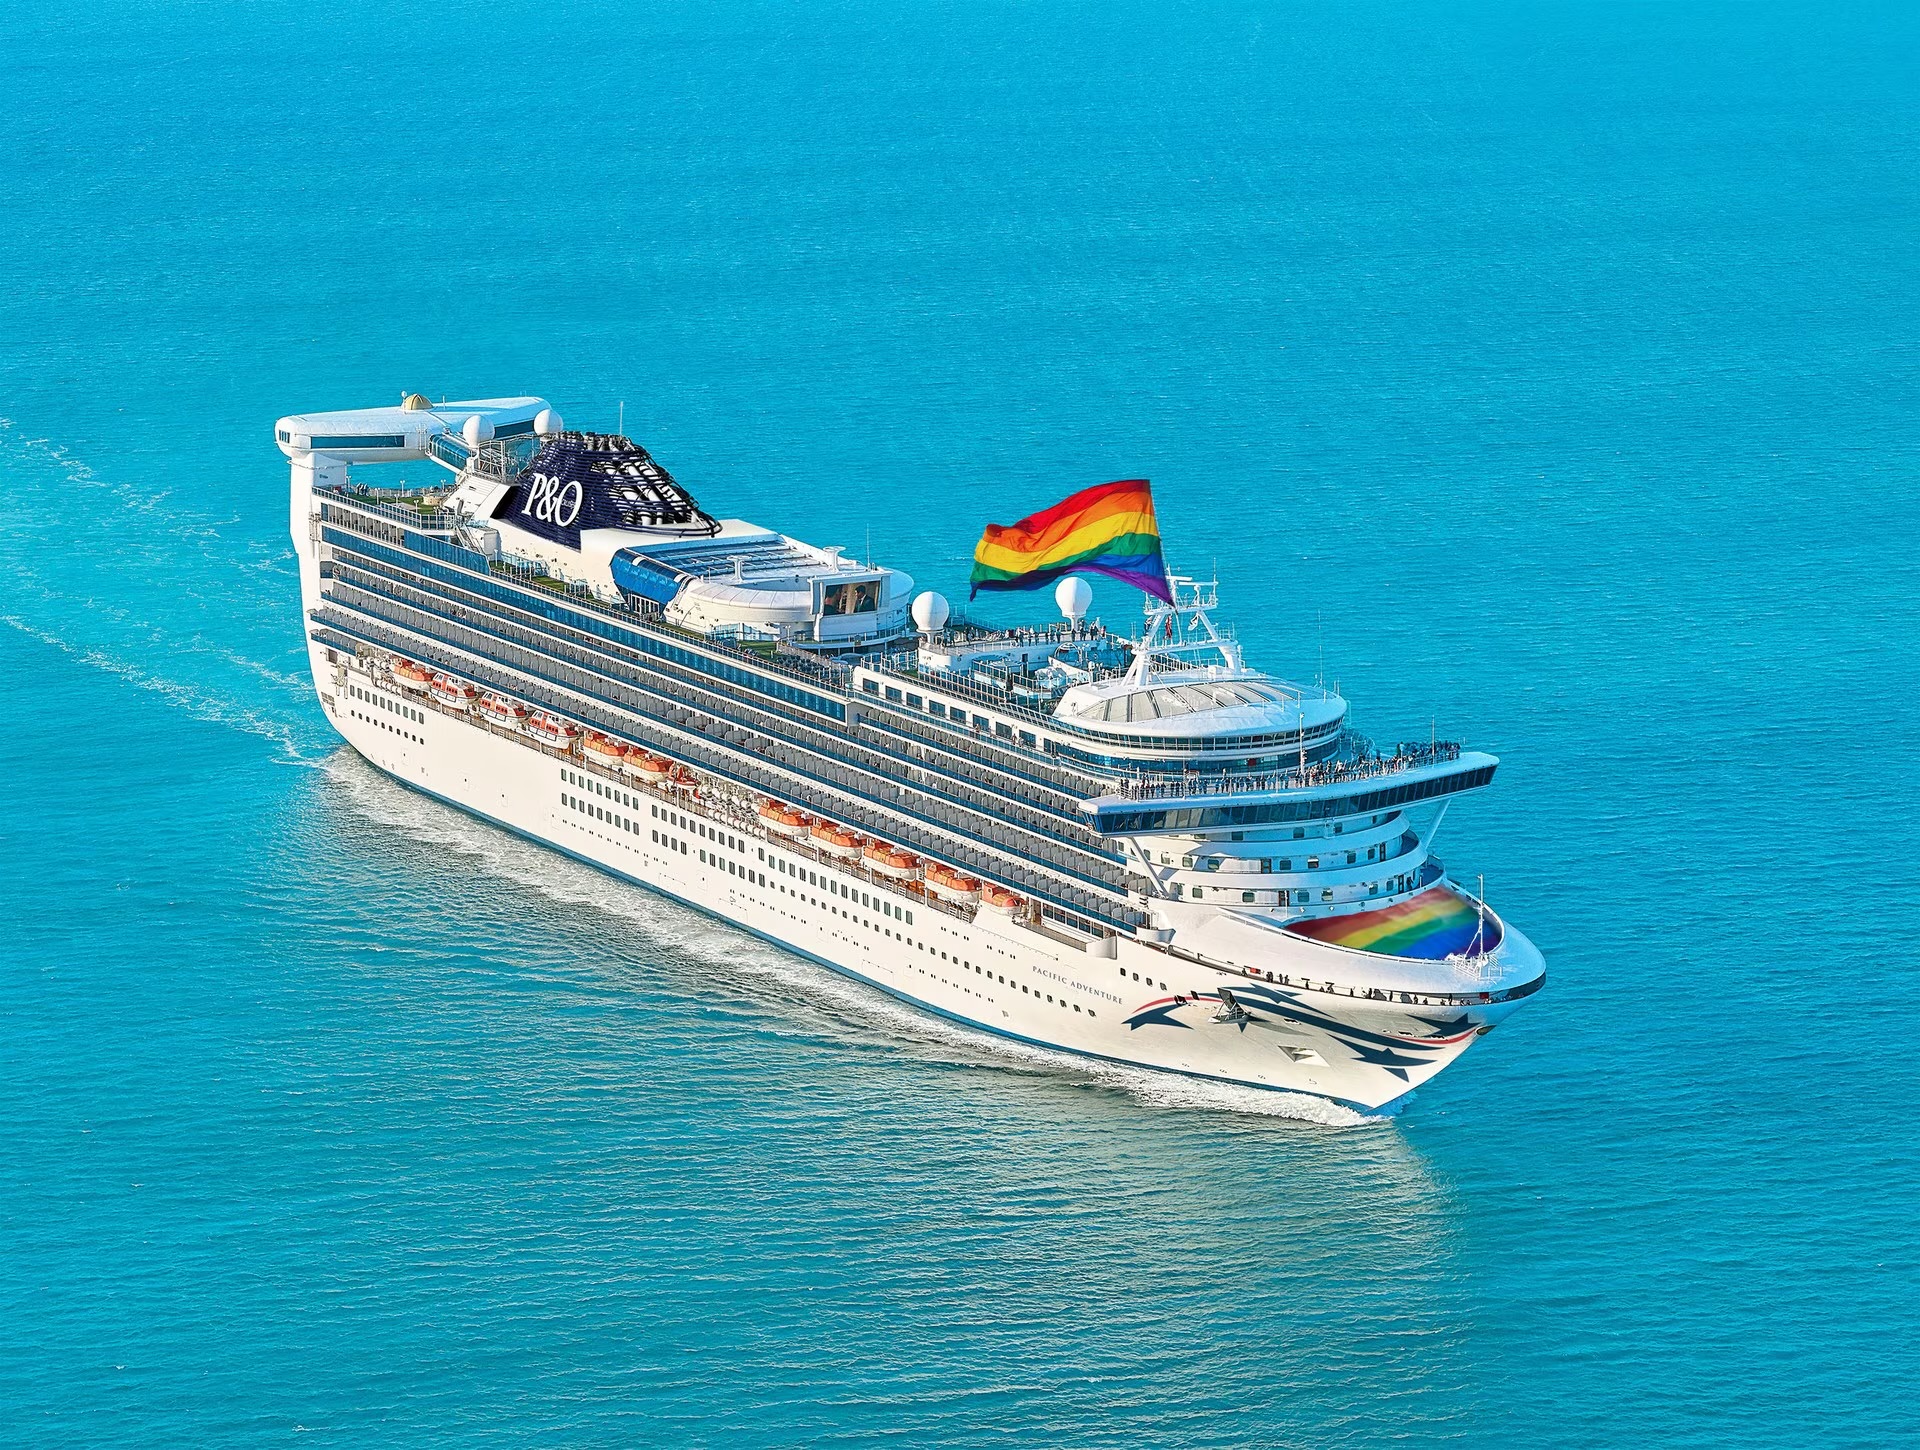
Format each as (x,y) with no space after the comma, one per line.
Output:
(1136,848)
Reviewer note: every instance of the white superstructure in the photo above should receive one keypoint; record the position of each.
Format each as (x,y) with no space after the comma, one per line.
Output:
(1140,849)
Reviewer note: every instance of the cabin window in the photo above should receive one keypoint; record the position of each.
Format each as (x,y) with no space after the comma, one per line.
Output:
(914,700)
(1026,738)
(1003,730)
(938,709)
(1246,896)
(893,694)
(862,598)
(872,687)
(1313,863)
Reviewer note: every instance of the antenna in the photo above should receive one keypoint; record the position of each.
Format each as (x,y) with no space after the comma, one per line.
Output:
(622,429)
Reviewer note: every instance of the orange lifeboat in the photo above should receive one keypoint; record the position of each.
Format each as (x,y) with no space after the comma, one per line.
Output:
(682,779)
(891,861)
(783,820)
(1002,900)
(552,731)
(502,711)
(950,885)
(410,676)
(632,758)
(600,751)
(455,694)
(835,840)
(652,769)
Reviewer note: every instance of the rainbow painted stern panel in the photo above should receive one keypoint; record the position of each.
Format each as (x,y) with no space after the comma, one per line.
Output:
(1435,924)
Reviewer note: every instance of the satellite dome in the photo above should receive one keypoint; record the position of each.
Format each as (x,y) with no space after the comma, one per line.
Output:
(1074,597)
(415,403)
(476,430)
(547,421)
(930,613)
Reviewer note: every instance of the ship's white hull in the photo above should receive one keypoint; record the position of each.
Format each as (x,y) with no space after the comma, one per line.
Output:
(1141,1005)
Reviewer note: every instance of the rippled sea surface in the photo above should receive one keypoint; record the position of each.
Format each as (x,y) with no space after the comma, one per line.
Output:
(1545,375)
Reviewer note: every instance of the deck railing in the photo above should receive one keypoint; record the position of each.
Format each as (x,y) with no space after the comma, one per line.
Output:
(1368,766)
(796,665)
(589,709)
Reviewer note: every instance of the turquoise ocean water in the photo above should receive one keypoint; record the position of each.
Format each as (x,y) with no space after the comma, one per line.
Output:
(1545,375)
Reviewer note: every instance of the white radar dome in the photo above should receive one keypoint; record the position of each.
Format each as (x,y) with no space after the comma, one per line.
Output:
(547,421)
(930,613)
(476,430)
(1074,596)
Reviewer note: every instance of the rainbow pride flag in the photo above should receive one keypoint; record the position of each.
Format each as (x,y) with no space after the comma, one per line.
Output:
(1105,530)
(1432,925)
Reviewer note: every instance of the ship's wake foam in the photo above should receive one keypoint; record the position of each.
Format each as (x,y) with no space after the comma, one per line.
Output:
(201,704)
(126,581)
(798,993)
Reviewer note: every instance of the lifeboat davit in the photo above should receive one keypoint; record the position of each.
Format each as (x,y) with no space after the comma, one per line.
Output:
(950,885)
(410,676)
(549,730)
(783,820)
(456,694)
(835,840)
(1002,900)
(600,751)
(502,711)
(891,861)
